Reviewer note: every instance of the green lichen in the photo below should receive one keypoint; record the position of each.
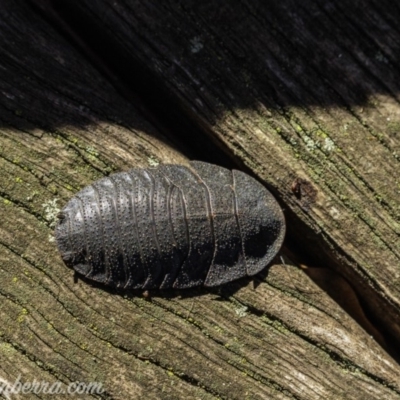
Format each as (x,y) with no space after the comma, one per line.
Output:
(21,317)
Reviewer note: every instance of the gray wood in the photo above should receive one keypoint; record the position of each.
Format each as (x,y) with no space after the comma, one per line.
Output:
(289,91)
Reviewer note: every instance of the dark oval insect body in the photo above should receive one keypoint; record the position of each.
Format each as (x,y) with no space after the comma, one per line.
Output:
(171,226)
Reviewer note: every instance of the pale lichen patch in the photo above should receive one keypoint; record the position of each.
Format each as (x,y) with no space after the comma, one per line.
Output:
(50,212)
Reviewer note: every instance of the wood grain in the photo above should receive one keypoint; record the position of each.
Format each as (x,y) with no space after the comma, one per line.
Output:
(287,91)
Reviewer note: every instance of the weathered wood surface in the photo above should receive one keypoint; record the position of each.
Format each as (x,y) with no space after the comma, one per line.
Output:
(288,92)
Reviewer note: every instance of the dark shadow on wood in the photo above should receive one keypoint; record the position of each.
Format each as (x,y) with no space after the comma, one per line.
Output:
(321,53)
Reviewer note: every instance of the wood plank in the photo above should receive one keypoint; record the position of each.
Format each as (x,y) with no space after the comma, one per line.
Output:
(64,124)
(293,93)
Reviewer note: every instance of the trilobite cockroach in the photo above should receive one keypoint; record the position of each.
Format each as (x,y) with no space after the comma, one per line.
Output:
(171,226)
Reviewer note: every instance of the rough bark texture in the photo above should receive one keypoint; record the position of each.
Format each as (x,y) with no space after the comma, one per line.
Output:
(304,96)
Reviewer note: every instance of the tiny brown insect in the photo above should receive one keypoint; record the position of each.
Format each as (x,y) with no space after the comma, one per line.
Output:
(305,192)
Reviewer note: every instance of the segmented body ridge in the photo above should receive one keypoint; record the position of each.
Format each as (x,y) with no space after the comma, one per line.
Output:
(171,226)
